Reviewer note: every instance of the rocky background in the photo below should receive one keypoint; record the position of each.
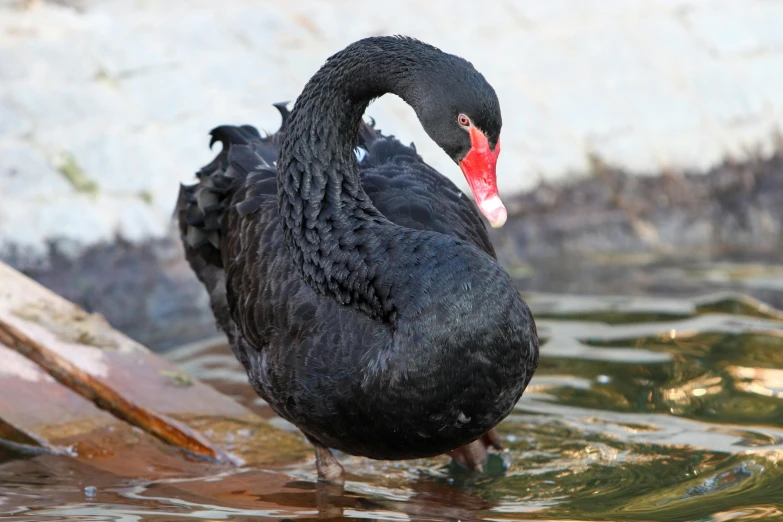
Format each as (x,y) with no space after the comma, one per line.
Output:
(639,144)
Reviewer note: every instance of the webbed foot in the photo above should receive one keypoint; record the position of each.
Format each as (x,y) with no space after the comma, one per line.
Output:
(474,455)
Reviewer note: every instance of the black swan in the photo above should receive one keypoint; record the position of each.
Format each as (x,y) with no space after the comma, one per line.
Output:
(363,297)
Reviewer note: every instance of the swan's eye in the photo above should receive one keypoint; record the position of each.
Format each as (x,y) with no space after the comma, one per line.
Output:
(464,120)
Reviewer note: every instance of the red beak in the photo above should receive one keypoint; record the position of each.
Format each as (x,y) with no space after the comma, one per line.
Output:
(478,166)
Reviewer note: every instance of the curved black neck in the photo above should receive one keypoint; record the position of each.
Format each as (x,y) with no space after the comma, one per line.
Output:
(332,229)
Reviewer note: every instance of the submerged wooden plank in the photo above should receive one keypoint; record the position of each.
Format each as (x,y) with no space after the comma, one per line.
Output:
(35,409)
(41,347)
(84,353)
(40,415)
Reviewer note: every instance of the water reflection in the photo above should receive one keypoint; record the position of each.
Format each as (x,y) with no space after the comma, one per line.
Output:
(722,378)
(670,414)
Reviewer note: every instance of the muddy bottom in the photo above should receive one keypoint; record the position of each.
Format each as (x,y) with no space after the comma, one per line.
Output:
(642,409)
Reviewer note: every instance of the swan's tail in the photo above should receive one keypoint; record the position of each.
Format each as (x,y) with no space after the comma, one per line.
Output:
(202,207)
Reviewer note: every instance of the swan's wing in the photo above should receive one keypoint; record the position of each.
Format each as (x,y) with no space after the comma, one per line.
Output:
(412,194)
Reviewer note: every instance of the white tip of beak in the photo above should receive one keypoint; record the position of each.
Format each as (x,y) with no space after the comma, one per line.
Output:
(494,210)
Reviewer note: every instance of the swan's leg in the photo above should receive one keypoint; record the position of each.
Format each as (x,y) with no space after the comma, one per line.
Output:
(474,455)
(329,469)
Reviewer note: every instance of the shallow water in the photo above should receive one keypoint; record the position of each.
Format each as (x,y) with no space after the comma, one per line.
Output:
(642,409)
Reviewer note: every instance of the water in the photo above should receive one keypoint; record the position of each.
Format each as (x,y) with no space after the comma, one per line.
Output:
(642,409)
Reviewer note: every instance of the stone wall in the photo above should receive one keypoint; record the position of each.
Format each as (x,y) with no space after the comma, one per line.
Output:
(105,105)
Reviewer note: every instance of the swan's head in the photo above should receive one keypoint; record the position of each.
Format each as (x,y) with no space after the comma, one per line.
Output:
(460,111)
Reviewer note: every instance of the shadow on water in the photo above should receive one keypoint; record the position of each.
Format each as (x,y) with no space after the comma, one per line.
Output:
(642,409)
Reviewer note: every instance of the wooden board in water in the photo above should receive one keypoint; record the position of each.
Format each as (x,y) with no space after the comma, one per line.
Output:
(83,353)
